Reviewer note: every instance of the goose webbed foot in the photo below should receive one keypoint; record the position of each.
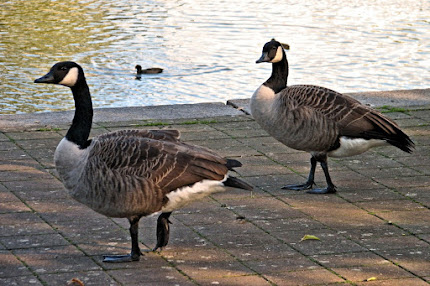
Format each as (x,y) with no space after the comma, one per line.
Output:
(299,187)
(135,250)
(328,190)
(163,230)
(122,258)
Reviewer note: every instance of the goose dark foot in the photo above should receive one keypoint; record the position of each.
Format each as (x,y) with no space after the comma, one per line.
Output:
(328,190)
(122,258)
(299,187)
(163,230)
(135,249)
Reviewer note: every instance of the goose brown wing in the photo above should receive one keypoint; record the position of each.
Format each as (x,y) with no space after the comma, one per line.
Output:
(165,135)
(352,118)
(165,164)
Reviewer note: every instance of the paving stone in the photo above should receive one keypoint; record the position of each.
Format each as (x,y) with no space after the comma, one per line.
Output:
(7,145)
(348,260)
(38,143)
(62,210)
(370,160)
(273,183)
(91,230)
(308,277)
(232,280)
(366,195)
(380,271)
(279,226)
(213,269)
(21,280)
(8,197)
(64,264)
(263,208)
(425,237)
(25,229)
(259,252)
(249,170)
(413,221)
(404,182)
(17,206)
(415,260)
(43,156)
(195,255)
(392,242)
(366,232)
(27,135)
(330,242)
(388,172)
(23,174)
(148,275)
(207,135)
(31,241)
(20,218)
(11,266)
(390,205)
(289,263)
(3,137)
(395,282)
(89,278)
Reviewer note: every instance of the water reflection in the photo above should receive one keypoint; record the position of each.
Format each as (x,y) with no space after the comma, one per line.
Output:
(206,48)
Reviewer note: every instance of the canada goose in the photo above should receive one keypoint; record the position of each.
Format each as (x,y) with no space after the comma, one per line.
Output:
(140,71)
(132,173)
(318,120)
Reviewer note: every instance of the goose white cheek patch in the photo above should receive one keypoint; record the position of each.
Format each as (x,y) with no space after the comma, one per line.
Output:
(278,56)
(71,77)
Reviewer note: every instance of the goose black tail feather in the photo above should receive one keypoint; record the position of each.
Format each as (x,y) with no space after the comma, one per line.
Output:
(402,141)
(398,139)
(389,131)
(237,183)
(231,163)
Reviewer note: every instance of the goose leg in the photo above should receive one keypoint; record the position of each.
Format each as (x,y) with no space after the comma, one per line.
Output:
(163,230)
(135,250)
(309,183)
(331,188)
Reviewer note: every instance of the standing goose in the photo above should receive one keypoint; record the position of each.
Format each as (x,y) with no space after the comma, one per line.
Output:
(318,120)
(132,173)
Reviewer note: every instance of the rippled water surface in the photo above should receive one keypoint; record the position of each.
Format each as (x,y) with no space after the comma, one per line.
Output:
(206,48)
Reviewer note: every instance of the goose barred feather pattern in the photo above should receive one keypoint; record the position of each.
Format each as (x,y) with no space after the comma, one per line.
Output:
(314,109)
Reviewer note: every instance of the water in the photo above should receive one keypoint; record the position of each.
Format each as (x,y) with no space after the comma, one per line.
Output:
(206,48)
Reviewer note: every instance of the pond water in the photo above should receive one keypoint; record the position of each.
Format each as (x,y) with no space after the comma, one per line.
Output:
(206,48)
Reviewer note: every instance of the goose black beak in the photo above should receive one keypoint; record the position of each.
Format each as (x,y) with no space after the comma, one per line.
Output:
(264,58)
(47,78)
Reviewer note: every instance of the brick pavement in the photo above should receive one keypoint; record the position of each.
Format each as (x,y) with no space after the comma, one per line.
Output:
(376,228)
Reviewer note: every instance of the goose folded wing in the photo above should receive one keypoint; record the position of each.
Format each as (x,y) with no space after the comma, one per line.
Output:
(164,135)
(165,164)
(353,119)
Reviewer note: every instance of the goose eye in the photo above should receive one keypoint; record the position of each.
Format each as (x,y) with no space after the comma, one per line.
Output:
(63,68)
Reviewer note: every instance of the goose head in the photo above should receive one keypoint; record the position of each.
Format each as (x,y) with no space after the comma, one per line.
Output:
(64,73)
(273,52)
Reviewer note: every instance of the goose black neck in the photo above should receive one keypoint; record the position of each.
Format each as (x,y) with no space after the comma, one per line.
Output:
(81,126)
(279,77)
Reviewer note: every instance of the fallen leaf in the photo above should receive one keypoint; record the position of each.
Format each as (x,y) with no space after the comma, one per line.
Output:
(371,279)
(309,237)
(75,282)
